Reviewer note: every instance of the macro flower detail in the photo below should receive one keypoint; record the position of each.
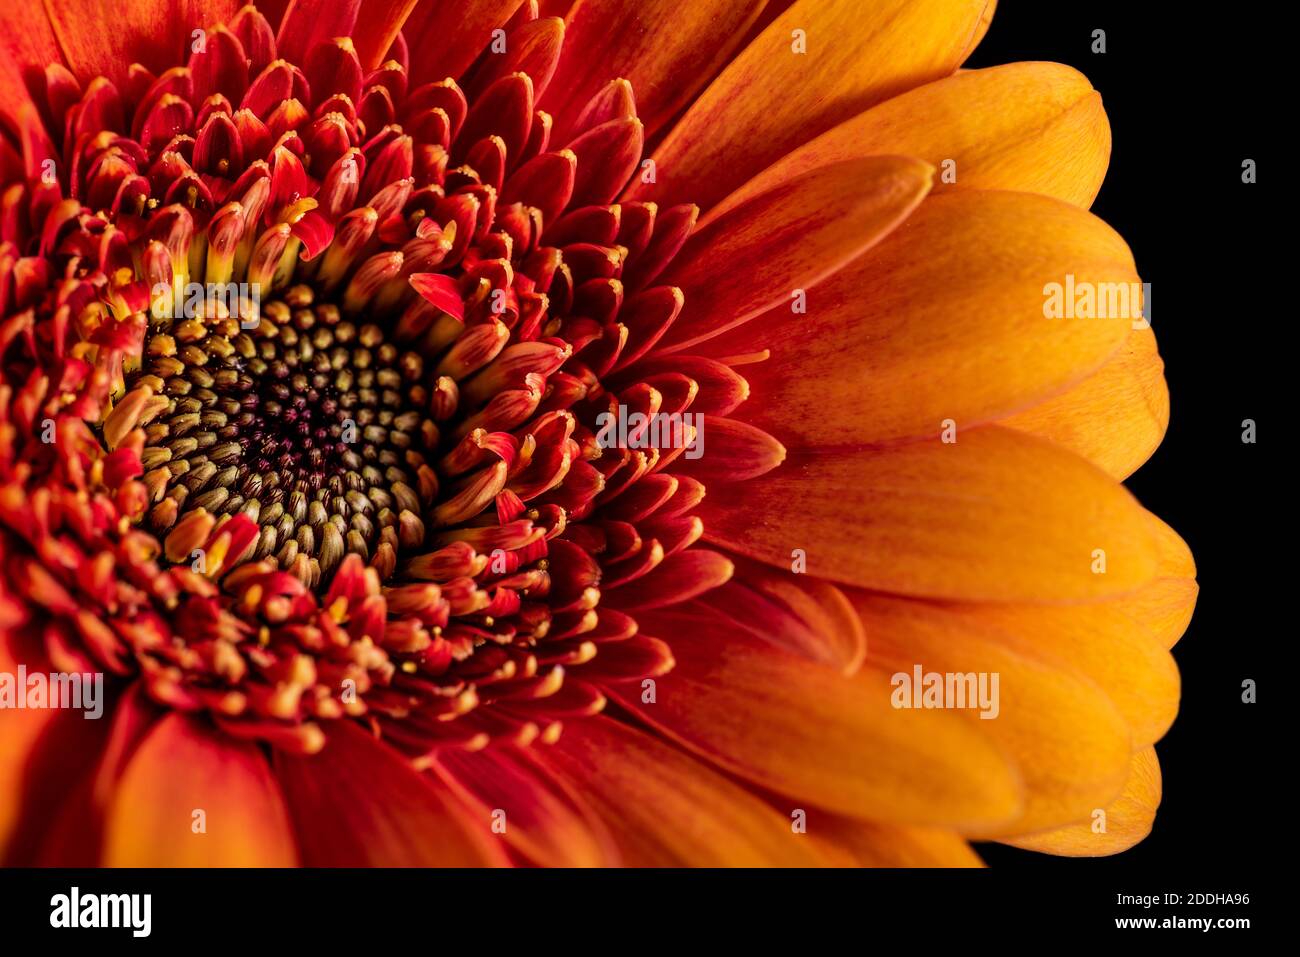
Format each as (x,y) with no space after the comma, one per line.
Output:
(311,313)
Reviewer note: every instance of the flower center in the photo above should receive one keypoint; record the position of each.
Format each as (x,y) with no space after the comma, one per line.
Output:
(308,423)
(381,497)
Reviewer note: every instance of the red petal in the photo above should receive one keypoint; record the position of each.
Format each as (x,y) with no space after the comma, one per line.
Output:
(546,821)
(665,49)
(309,22)
(451,35)
(377,30)
(788,239)
(359,803)
(105,37)
(607,156)
(681,577)
(442,291)
(730,451)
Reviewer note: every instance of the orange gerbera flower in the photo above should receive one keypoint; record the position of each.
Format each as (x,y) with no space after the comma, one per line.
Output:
(385,554)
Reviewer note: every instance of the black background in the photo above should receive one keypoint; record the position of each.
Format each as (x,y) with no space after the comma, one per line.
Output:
(1189,98)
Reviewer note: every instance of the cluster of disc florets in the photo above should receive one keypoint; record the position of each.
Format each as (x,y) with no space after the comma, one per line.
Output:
(379,492)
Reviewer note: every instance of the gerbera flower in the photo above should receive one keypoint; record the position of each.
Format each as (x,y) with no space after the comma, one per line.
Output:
(367,582)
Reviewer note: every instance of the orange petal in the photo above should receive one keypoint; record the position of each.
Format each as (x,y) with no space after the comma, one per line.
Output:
(789,238)
(666,49)
(986,18)
(667,809)
(104,37)
(20,731)
(184,766)
(73,836)
(995,516)
(942,320)
(803,730)
(771,99)
(1116,417)
(1128,818)
(1098,641)
(544,820)
(359,803)
(889,845)
(1065,735)
(1029,127)
(1165,604)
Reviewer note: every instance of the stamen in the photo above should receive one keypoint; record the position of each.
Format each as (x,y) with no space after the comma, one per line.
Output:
(309,424)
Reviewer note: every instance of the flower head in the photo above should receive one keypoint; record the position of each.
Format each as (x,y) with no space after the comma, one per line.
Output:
(363,375)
